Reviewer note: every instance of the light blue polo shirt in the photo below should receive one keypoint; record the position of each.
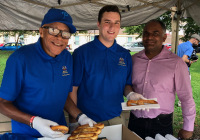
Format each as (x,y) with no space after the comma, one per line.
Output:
(185,49)
(37,84)
(101,74)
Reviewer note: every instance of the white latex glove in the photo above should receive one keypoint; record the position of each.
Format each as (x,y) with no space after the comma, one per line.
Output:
(134,96)
(73,126)
(83,119)
(43,127)
(159,137)
(170,137)
(149,138)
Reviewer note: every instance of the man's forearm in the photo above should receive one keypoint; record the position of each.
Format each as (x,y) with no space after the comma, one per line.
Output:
(9,110)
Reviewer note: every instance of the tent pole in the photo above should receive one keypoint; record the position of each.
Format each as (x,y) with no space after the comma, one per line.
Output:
(175,27)
(174,20)
(177,24)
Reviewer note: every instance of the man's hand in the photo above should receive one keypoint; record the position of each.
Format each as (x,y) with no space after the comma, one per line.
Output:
(43,127)
(193,61)
(83,119)
(134,96)
(183,134)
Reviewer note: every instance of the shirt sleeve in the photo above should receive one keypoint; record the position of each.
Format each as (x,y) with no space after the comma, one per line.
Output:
(129,70)
(188,51)
(184,93)
(78,67)
(13,77)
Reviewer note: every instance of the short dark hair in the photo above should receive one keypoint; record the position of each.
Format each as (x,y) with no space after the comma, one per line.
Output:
(157,21)
(108,8)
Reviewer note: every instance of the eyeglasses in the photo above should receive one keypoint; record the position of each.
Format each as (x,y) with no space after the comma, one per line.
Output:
(55,32)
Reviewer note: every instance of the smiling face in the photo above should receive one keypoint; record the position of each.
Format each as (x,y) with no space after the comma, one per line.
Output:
(153,37)
(109,28)
(53,45)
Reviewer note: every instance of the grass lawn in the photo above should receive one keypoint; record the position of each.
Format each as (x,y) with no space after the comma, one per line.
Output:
(3,57)
(178,121)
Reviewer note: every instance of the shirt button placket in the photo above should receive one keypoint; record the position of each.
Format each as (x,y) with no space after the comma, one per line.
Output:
(146,76)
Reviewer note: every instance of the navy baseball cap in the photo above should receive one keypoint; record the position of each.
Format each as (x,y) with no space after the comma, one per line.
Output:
(58,15)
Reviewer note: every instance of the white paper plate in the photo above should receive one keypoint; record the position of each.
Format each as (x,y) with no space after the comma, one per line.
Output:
(139,107)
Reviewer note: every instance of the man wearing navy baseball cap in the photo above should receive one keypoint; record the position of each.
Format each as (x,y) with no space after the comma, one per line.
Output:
(38,78)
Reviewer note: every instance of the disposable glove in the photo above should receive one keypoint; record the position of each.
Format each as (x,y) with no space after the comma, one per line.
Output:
(149,138)
(83,119)
(73,126)
(170,137)
(43,127)
(134,96)
(159,137)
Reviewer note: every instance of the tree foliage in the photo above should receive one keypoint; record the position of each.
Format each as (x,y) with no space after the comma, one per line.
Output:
(187,25)
(166,18)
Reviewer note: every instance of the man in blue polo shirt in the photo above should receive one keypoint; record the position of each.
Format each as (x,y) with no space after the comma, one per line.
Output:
(38,78)
(102,72)
(185,49)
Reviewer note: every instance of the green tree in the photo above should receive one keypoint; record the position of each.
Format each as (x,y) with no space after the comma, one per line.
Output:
(187,24)
(166,18)
(189,27)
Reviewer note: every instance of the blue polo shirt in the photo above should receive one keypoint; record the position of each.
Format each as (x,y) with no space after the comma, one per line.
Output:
(37,84)
(101,74)
(185,49)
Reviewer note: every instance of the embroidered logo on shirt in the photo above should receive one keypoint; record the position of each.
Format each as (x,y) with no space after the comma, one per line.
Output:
(65,72)
(121,62)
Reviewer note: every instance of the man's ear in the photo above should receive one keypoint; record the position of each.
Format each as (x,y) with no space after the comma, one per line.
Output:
(98,25)
(164,37)
(41,32)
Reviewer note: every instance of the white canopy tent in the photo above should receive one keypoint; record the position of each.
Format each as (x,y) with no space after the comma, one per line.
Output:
(28,14)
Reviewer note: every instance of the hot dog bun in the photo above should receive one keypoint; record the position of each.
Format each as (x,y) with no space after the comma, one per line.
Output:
(92,136)
(140,102)
(61,128)
(69,138)
(85,132)
(99,125)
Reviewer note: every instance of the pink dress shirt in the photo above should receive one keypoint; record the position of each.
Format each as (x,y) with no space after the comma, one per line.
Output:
(162,77)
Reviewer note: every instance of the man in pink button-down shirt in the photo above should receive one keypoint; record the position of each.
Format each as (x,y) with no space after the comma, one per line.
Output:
(158,73)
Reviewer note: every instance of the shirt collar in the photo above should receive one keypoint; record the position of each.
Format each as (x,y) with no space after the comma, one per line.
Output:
(98,44)
(162,55)
(44,54)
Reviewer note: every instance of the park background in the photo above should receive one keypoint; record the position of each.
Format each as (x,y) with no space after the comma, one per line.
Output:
(178,120)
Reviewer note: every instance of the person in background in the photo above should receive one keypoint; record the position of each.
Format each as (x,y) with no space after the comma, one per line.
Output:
(185,49)
(102,72)
(159,73)
(38,78)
